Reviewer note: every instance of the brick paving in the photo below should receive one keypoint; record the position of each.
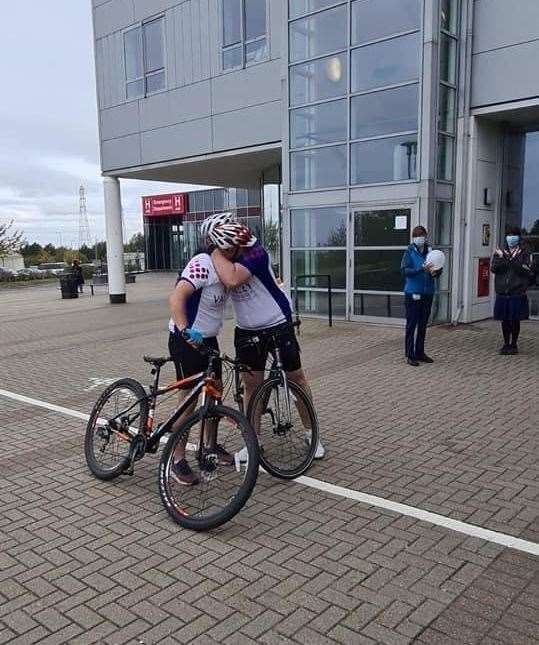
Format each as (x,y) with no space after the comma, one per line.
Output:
(85,561)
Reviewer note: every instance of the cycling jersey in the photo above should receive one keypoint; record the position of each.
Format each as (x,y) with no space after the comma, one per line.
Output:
(206,306)
(259,302)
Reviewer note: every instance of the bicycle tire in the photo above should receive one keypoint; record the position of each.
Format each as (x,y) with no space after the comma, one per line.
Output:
(113,471)
(268,459)
(175,509)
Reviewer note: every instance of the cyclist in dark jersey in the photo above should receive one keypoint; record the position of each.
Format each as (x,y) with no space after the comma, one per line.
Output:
(244,267)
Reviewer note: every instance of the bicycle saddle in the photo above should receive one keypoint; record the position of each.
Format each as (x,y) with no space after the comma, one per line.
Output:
(157,361)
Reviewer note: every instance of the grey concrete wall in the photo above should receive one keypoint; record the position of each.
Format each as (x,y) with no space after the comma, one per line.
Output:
(204,110)
(505,51)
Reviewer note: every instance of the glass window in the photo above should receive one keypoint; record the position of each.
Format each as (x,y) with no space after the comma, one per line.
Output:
(446,109)
(385,306)
(317,124)
(153,46)
(448,59)
(255,19)
(233,57)
(373,19)
(379,113)
(133,54)
(135,89)
(318,34)
(256,51)
(445,158)
(443,224)
(320,79)
(318,168)
(320,262)
(155,82)
(440,307)
(378,270)
(316,302)
(144,56)
(299,7)
(386,63)
(384,160)
(445,279)
(315,227)
(449,15)
(382,228)
(231,22)
(244,31)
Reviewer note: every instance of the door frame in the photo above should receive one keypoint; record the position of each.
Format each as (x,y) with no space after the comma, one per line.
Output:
(413,207)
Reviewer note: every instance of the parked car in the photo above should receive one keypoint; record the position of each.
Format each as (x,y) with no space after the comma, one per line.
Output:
(6,273)
(56,268)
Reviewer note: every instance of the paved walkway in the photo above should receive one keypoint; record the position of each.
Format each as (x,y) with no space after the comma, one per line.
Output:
(84,561)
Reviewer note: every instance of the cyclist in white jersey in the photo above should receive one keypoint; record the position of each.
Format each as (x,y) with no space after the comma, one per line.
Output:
(244,267)
(197,306)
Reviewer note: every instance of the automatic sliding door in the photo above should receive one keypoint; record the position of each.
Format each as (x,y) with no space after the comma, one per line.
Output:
(379,238)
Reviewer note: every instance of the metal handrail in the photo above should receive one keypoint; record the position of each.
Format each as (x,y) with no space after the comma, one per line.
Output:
(330,292)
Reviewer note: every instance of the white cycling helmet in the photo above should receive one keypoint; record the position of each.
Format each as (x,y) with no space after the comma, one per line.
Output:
(227,236)
(436,258)
(215,220)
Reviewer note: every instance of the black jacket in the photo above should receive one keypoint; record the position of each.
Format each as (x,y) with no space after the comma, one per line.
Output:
(76,270)
(513,274)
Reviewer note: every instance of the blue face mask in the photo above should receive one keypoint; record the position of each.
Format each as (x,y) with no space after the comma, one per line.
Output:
(419,241)
(512,240)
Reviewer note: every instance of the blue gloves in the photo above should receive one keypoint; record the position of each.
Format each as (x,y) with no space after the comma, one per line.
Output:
(192,336)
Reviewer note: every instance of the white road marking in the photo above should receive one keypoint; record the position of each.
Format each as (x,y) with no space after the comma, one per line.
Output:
(98,382)
(503,539)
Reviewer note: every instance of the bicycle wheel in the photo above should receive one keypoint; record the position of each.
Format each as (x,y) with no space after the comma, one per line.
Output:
(222,490)
(287,441)
(107,449)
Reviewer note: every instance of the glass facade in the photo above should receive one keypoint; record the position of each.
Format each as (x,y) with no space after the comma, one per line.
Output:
(318,246)
(366,55)
(355,69)
(442,222)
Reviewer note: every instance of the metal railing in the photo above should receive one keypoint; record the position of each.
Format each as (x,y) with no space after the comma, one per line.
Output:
(329,289)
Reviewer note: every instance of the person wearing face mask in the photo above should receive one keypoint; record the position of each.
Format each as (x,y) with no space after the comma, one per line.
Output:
(419,290)
(513,275)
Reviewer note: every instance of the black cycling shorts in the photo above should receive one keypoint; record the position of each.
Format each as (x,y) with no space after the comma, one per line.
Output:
(252,348)
(187,359)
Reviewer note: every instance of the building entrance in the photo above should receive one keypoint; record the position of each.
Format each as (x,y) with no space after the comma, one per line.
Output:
(520,195)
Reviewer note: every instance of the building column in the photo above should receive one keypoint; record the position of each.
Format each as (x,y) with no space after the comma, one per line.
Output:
(115,242)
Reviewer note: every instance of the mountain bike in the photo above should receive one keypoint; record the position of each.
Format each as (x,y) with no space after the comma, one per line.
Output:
(121,430)
(281,413)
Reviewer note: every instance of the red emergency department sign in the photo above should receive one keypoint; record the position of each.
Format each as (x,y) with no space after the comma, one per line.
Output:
(173,204)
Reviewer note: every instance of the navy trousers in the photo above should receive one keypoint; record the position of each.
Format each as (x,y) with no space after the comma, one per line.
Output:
(417,318)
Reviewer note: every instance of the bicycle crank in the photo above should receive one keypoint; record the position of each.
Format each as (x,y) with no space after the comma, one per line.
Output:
(137,450)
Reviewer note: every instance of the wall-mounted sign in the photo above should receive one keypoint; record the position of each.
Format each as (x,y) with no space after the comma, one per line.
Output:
(483,278)
(486,235)
(156,205)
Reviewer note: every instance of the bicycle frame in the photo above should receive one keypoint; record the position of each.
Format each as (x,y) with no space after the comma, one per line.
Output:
(203,383)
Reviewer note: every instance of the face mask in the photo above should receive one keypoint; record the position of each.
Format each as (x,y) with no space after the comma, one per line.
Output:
(512,240)
(419,241)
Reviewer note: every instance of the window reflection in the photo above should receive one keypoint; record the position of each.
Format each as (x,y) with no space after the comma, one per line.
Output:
(319,34)
(316,227)
(373,19)
(385,112)
(318,168)
(382,160)
(386,63)
(318,80)
(318,124)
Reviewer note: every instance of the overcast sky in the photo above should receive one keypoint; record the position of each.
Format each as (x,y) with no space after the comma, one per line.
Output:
(48,124)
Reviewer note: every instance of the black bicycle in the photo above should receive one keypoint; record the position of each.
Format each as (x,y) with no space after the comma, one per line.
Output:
(121,431)
(281,413)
